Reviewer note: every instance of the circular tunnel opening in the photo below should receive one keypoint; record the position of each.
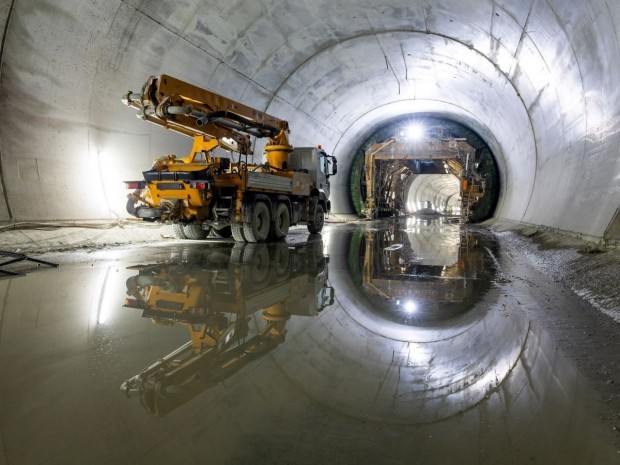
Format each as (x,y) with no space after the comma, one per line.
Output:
(425,186)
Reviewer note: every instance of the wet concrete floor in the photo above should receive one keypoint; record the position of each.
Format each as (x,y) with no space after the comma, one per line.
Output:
(402,342)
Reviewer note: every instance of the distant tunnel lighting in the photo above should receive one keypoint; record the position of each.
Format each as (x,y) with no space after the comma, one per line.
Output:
(410,306)
(415,132)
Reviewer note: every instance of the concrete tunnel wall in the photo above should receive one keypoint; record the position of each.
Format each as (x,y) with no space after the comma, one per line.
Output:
(442,190)
(535,78)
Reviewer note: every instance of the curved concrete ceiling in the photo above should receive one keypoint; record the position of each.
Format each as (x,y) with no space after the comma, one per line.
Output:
(441,190)
(535,78)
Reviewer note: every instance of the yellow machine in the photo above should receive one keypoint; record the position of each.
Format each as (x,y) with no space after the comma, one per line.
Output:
(217,299)
(203,192)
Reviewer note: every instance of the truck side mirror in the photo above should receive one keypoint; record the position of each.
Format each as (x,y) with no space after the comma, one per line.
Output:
(333,165)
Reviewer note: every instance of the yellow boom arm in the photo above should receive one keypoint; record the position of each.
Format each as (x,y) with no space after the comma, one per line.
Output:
(193,111)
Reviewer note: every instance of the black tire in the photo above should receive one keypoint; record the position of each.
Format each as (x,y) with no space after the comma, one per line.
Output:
(132,284)
(236,230)
(281,222)
(178,230)
(131,207)
(194,231)
(258,227)
(131,203)
(223,233)
(317,219)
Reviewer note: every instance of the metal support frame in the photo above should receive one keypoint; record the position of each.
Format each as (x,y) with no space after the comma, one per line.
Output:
(14,257)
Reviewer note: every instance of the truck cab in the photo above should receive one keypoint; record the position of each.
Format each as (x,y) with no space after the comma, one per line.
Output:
(318,164)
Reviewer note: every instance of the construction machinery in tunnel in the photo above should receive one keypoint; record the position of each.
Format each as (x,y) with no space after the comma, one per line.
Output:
(203,192)
(389,164)
(536,79)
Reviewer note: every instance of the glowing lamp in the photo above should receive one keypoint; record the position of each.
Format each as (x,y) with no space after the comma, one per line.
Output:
(415,132)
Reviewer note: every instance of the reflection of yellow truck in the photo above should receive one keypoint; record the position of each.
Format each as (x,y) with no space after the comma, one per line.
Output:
(215,300)
(203,192)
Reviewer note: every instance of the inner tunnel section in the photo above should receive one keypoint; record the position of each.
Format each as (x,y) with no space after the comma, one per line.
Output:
(425,164)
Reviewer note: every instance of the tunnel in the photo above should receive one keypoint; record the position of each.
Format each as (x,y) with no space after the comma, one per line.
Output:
(404,182)
(407,340)
(533,79)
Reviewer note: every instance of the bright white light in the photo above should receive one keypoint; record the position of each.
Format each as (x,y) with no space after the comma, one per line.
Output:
(410,306)
(415,132)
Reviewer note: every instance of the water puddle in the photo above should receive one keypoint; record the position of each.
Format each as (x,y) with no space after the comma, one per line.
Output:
(375,342)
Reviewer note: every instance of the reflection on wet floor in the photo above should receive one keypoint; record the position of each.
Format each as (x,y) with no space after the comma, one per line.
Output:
(422,273)
(214,295)
(384,342)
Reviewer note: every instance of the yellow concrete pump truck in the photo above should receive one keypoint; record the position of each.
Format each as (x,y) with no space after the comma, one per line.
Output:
(204,193)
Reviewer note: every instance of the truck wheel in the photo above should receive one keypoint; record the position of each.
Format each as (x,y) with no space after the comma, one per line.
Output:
(281,222)
(194,231)
(236,230)
(223,233)
(315,224)
(131,203)
(316,259)
(178,230)
(131,207)
(258,227)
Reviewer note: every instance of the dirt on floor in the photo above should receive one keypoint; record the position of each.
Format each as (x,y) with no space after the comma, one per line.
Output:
(588,334)
(52,237)
(41,238)
(590,270)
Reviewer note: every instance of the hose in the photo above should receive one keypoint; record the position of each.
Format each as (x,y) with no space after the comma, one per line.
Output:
(72,224)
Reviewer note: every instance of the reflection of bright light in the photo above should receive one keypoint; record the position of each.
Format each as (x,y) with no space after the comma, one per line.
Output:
(410,306)
(415,131)
(326,236)
(101,299)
